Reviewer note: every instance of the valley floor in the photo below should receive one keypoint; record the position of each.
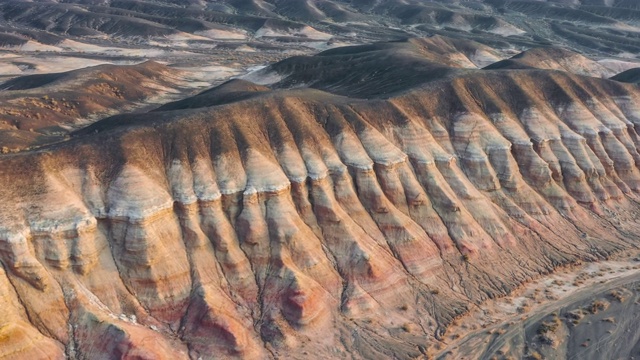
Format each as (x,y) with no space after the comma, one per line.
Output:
(584,303)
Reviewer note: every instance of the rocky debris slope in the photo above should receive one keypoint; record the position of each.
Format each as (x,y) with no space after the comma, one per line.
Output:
(299,221)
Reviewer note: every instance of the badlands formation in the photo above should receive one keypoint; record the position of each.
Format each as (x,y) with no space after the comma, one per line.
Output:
(388,200)
(258,221)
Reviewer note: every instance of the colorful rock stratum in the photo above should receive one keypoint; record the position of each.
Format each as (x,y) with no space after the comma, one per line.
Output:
(354,203)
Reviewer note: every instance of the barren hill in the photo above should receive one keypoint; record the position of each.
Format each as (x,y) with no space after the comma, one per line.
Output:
(245,179)
(599,27)
(347,209)
(554,59)
(629,76)
(44,108)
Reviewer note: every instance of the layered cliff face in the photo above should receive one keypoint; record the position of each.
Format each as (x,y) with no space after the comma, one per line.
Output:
(255,223)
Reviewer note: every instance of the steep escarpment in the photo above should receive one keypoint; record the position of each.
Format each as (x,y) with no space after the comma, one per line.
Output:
(255,223)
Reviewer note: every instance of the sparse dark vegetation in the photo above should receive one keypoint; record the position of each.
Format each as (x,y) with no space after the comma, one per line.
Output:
(597,305)
(617,295)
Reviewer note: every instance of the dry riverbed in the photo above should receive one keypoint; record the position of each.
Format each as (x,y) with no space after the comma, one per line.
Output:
(580,310)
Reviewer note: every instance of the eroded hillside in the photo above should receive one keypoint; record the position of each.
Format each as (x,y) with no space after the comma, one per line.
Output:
(255,221)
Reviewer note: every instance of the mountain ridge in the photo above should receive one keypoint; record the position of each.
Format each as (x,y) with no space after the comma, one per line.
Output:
(335,225)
